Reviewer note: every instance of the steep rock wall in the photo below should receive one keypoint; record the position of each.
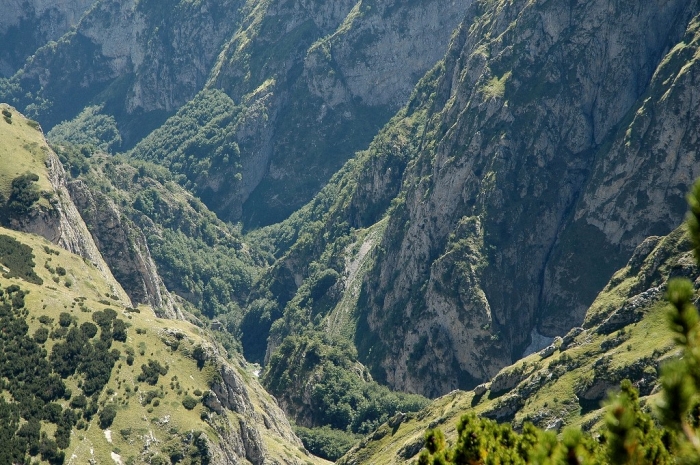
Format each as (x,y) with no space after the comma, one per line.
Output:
(27,25)
(125,250)
(528,118)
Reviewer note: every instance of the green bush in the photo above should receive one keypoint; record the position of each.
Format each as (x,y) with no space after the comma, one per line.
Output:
(64,319)
(19,258)
(325,442)
(41,335)
(107,415)
(151,372)
(24,194)
(189,402)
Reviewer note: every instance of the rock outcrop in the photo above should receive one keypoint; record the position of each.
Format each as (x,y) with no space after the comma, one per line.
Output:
(27,25)
(509,217)
(260,421)
(124,247)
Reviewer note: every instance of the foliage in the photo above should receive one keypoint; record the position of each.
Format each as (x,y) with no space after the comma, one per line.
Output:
(326,442)
(107,415)
(189,402)
(93,359)
(340,397)
(27,376)
(74,157)
(151,372)
(19,259)
(90,127)
(198,140)
(24,194)
(214,277)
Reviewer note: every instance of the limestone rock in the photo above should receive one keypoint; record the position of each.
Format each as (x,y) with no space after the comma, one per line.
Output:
(124,248)
(547,200)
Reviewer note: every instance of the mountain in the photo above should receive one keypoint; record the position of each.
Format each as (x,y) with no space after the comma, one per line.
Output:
(143,390)
(625,335)
(311,84)
(26,26)
(525,169)
(415,196)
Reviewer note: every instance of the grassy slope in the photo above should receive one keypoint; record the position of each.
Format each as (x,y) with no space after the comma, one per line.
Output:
(23,149)
(168,421)
(548,389)
(81,291)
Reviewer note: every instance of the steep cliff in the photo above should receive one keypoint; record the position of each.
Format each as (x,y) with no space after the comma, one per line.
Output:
(142,60)
(27,25)
(525,169)
(624,335)
(125,249)
(502,225)
(352,67)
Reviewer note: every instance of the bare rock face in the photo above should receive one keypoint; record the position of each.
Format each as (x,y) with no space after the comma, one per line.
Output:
(337,92)
(260,421)
(154,57)
(125,250)
(26,25)
(537,184)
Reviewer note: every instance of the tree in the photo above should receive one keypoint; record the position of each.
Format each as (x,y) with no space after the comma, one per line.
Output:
(107,415)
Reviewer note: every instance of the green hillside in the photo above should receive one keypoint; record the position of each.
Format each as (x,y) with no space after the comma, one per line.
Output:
(22,149)
(156,376)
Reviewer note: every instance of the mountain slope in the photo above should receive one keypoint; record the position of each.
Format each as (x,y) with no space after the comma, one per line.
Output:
(27,25)
(539,157)
(233,418)
(311,83)
(492,208)
(144,389)
(34,186)
(625,335)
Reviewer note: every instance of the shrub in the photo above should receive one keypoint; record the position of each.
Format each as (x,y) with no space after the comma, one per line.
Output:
(189,402)
(151,372)
(107,415)
(64,319)
(325,442)
(41,335)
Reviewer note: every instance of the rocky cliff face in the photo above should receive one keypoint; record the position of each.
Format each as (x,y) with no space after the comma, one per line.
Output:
(141,58)
(27,25)
(317,81)
(624,335)
(357,67)
(509,217)
(56,218)
(125,250)
(250,425)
